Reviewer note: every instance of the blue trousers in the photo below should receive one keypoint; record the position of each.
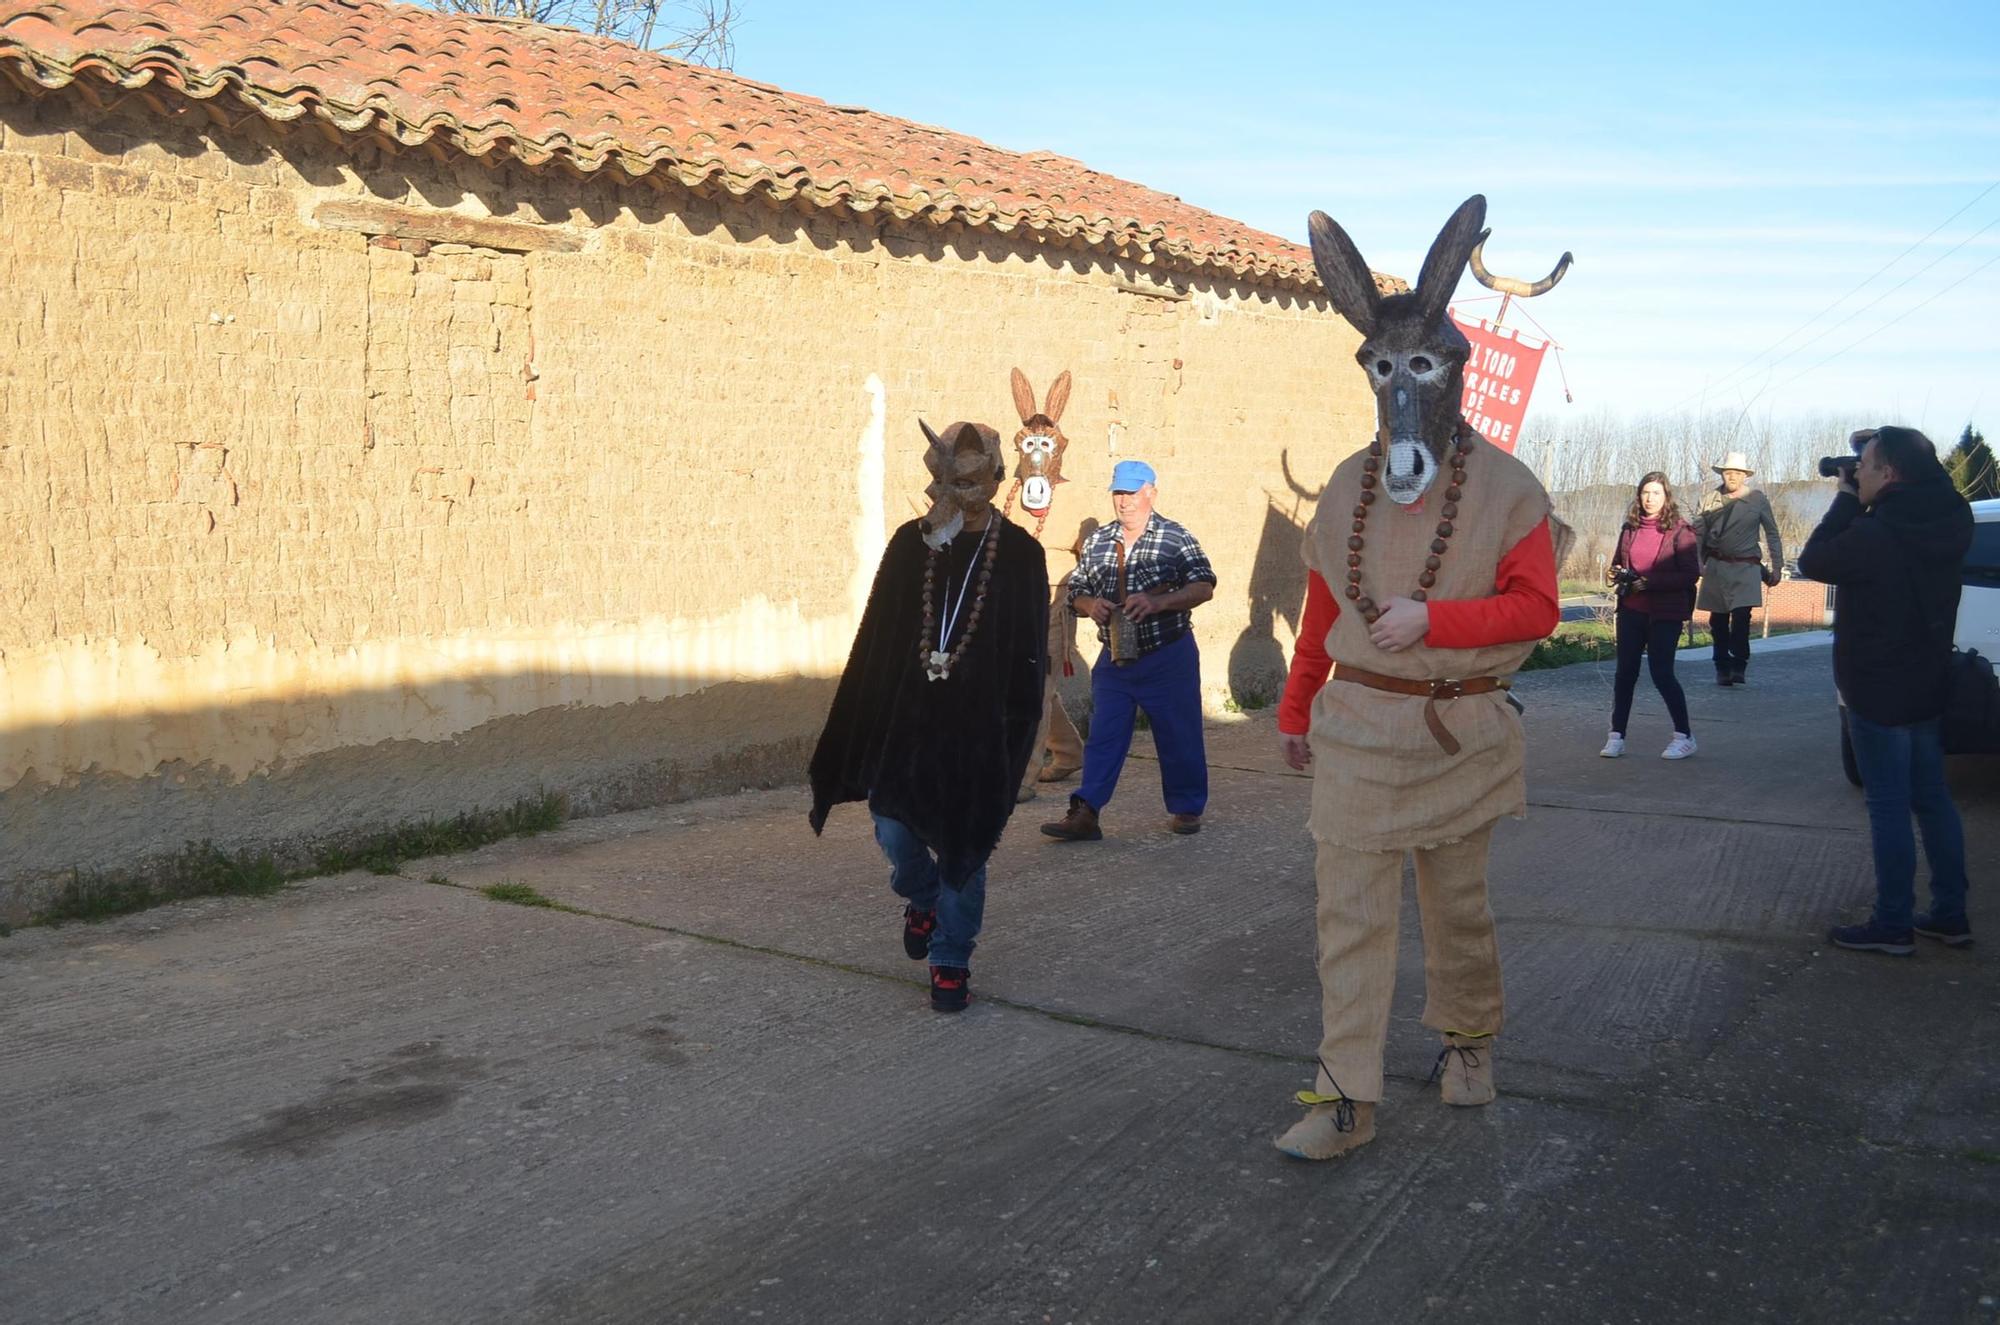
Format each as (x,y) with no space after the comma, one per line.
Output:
(1902,772)
(914,876)
(1166,685)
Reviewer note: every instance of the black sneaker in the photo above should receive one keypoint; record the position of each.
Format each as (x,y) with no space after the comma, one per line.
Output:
(1952,933)
(1736,677)
(951,988)
(1872,937)
(917,929)
(1725,678)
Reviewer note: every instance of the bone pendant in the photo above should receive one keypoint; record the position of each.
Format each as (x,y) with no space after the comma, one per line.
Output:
(939,666)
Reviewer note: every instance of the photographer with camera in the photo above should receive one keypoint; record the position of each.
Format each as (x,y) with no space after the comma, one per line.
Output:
(1733,575)
(1892,545)
(1653,573)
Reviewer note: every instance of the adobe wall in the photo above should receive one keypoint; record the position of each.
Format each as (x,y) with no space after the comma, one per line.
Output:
(314,536)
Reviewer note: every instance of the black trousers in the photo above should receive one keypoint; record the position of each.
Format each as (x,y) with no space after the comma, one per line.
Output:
(1655,637)
(1732,639)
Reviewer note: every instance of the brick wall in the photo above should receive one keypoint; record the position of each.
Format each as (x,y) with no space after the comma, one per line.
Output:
(319,530)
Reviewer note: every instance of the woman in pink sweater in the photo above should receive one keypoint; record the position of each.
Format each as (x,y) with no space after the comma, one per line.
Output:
(1654,572)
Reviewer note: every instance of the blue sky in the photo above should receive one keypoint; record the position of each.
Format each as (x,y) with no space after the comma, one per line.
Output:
(1723,172)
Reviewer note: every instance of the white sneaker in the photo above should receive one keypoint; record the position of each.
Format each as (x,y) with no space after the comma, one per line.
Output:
(1614,745)
(1679,748)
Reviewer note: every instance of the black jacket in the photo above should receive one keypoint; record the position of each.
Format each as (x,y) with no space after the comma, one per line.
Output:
(1895,568)
(944,757)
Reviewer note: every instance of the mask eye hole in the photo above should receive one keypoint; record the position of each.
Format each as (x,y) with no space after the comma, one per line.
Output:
(1420,364)
(1383,367)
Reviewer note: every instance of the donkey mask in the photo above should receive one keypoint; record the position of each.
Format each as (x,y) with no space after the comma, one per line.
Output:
(966,467)
(1040,442)
(1414,356)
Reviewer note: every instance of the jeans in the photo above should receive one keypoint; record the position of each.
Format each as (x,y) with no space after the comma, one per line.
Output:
(1731,631)
(1166,683)
(1902,771)
(1655,637)
(914,876)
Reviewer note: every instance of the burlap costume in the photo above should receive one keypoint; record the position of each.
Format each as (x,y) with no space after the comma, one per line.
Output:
(1382,782)
(1383,785)
(1727,527)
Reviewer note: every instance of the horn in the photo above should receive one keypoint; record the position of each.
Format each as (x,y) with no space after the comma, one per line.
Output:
(1507,284)
(936,442)
(1298,489)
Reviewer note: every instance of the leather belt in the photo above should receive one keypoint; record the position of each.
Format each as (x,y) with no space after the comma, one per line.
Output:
(1430,691)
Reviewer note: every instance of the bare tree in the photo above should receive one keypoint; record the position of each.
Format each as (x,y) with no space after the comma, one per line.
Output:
(1591,464)
(698,31)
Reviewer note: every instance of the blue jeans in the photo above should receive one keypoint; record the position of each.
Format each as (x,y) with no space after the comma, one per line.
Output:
(1166,683)
(913,874)
(1902,771)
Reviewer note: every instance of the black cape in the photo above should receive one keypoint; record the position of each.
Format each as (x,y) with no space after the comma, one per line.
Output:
(945,757)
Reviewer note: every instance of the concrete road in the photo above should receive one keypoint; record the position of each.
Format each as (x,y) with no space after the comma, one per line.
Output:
(714,1091)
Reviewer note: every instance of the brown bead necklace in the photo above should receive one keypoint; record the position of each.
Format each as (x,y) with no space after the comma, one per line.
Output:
(1041,518)
(1370,475)
(937,663)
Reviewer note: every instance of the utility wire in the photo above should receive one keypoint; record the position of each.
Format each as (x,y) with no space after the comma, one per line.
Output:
(1751,364)
(1878,330)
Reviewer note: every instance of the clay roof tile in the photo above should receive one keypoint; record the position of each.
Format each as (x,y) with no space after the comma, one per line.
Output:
(544,92)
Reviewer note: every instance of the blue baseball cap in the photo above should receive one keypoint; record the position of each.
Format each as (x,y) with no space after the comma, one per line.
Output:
(1131,475)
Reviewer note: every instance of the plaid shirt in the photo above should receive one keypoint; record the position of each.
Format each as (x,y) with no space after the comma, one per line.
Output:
(1164,558)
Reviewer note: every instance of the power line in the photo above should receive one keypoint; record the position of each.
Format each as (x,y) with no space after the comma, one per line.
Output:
(1803,346)
(1752,363)
(1876,331)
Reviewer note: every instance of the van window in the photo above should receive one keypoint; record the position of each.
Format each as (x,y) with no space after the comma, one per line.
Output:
(1982,559)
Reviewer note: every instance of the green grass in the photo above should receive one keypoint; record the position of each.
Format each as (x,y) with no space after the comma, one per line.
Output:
(1596,641)
(384,853)
(1245,701)
(202,869)
(520,894)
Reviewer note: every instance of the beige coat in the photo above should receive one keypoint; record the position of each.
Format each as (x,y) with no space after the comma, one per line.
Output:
(1380,780)
(1728,527)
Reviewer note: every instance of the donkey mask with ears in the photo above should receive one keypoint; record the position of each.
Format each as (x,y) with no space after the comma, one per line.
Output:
(1414,356)
(1040,442)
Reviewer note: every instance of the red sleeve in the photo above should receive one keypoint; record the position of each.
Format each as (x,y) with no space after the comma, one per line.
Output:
(1310,663)
(1523,606)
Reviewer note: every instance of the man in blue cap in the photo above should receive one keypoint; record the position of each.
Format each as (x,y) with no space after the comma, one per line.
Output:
(1138,579)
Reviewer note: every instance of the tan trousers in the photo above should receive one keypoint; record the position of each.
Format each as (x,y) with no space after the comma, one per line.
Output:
(1058,737)
(1360,904)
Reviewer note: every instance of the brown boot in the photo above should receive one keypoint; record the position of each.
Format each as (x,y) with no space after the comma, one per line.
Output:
(1054,772)
(1079,825)
(1464,1070)
(1184,824)
(1329,1130)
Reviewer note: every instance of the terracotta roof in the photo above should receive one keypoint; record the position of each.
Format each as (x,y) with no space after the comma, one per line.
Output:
(548,94)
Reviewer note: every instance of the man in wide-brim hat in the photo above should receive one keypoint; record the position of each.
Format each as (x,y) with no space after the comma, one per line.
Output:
(1733,574)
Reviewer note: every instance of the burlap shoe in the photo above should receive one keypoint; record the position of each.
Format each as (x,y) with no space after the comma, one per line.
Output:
(1464,1070)
(1329,1130)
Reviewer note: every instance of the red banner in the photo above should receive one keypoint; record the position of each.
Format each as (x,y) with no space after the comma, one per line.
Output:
(1499,378)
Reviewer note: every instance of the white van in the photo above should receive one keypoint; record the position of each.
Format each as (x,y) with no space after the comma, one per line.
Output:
(1978,625)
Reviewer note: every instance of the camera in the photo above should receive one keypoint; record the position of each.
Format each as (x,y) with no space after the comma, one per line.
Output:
(1842,466)
(1622,579)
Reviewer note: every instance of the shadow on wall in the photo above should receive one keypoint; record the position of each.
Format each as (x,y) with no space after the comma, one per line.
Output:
(1258,663)
(601,759)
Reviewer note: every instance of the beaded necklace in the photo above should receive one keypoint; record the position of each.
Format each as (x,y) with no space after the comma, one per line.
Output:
(938,663)
(1369,475)
(1041,518)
